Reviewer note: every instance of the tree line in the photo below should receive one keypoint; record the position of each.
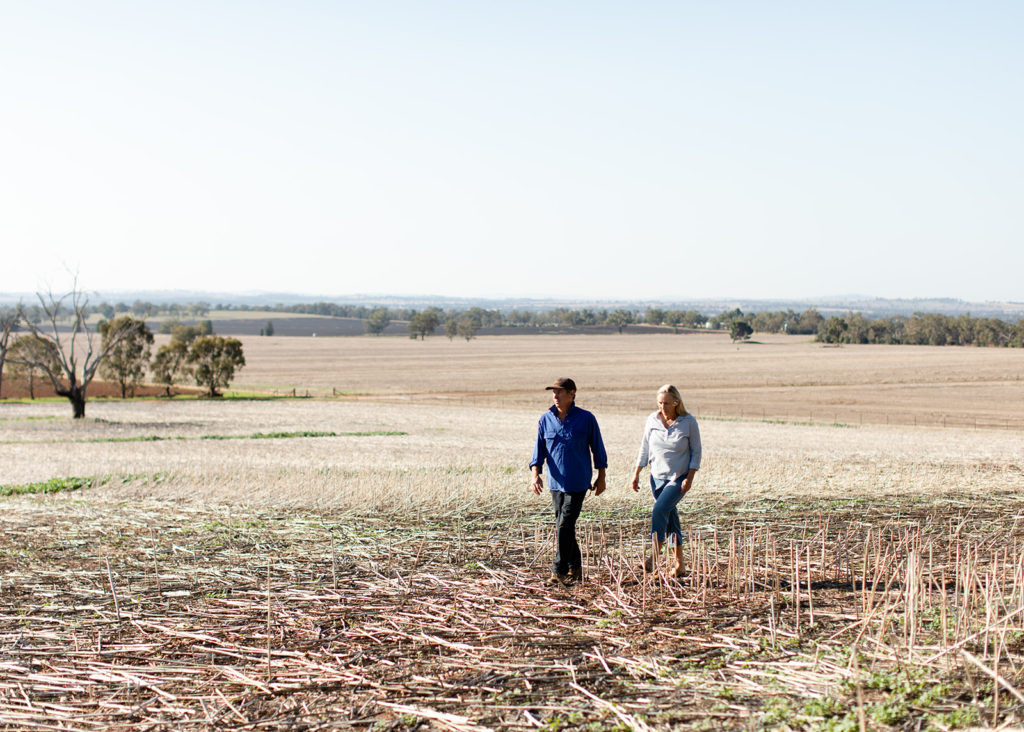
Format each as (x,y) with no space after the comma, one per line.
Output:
(923,329)
(465,323)
(916,329)
(57,344)
(919,328)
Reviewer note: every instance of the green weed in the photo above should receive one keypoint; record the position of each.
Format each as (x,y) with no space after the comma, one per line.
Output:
(53,485)
(775,709)
(253,436)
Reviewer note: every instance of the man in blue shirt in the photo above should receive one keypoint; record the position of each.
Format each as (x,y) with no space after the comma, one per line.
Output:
(567,437)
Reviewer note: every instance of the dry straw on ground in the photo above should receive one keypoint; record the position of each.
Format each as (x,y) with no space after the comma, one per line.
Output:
(838,576)
(449,455)
(167,616)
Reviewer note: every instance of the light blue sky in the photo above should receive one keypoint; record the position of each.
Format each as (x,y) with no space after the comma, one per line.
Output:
(556,149)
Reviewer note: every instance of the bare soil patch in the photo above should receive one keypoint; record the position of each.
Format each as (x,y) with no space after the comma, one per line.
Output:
(19,388)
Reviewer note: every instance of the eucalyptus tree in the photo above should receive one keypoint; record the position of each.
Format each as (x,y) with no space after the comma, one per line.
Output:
(170,365)
(26,352)
(213,361)
(126,362)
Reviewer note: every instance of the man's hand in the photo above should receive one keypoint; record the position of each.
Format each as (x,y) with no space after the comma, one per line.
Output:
(538,484)
(599,485)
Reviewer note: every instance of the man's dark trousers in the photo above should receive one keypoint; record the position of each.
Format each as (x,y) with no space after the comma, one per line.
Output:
(567,510)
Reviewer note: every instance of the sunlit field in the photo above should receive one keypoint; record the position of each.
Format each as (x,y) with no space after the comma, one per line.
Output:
(447,453)
(371,556)
(783,377)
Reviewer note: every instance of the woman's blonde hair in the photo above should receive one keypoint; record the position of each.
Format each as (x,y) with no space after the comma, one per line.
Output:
(674,393)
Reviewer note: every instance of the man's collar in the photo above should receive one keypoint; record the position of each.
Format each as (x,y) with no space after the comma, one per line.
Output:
(554,410)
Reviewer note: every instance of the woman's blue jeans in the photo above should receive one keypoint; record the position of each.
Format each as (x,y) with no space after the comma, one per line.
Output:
(664,516)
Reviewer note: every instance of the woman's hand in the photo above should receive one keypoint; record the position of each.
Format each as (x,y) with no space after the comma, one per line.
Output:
(635,483)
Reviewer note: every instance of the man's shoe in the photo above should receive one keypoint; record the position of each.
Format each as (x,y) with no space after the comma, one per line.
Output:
(557,578)
(576,574)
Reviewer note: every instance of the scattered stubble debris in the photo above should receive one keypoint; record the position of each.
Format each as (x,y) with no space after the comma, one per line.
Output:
(811,614)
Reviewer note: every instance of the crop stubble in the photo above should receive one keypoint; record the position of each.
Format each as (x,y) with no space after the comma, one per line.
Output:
(398,580)
(780,377)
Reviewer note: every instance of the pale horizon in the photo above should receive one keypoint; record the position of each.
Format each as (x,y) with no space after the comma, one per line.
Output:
(655,152)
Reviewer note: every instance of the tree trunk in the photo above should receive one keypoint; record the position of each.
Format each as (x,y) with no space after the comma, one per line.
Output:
(76,395)
(77,404)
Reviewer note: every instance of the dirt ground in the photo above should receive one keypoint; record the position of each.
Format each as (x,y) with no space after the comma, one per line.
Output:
(18,388)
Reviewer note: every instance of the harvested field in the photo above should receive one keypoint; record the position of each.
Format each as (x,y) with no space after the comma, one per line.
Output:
(779,377)
(378,561)
(444,459)
(818,614)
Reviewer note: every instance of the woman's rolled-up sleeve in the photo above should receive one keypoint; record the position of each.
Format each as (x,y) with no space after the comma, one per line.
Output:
(644,456)
(695,447)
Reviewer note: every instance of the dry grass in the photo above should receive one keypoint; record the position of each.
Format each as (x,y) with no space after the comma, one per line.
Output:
(837,574)
(456,454)
(780,377)
(151,614)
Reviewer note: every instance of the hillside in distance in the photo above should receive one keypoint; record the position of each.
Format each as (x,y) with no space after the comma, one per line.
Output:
(827,305)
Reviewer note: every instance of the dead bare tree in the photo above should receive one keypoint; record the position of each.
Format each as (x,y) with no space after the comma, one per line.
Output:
(9,318)
(75,352)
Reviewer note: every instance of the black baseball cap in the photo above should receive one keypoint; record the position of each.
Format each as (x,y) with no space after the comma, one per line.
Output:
(563,383)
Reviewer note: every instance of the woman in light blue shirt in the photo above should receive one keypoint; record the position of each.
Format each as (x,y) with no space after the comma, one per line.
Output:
(671,446)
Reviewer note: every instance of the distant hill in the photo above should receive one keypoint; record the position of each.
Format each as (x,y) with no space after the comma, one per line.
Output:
(826,305)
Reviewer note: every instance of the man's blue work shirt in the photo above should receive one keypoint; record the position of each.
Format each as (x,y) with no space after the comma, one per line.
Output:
(566,447)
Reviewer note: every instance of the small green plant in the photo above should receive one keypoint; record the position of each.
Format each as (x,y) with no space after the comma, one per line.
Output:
(890,711)
(725,692)
(775,709)
(824,707)
(847,723)
(960,717)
